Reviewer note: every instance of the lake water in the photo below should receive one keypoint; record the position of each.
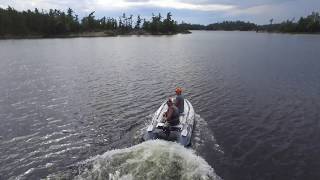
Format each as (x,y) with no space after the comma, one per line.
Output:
(256,95)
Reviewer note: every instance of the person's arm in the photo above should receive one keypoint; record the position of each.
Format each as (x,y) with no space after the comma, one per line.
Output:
(177,103)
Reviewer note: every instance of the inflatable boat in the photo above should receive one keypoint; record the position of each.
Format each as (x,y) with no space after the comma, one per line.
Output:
(180,133)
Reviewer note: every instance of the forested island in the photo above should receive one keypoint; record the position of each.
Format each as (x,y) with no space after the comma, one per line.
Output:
(309,24)
(56,23)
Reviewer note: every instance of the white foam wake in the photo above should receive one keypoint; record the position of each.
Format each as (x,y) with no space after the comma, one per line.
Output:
(149,160)
(203,137)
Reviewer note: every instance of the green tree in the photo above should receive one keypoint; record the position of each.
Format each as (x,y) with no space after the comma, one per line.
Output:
(89,22)
(138,23)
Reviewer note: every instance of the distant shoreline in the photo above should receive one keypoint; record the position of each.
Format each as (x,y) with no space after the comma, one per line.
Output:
(293,33)
(133,33)
(267,32)
(89,34)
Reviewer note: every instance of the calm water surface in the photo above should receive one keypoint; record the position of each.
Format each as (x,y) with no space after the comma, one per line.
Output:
(257,97)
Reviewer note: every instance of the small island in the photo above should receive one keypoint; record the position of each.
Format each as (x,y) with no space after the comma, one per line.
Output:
(58,24)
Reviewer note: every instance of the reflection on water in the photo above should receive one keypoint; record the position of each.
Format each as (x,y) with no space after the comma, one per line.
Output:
(63,101)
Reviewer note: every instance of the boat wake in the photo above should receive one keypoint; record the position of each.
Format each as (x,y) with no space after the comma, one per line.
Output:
(155,159)
(203,137)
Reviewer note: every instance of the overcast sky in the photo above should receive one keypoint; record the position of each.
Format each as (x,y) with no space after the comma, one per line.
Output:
(193,11)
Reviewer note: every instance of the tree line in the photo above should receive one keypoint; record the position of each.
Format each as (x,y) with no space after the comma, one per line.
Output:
(57,22)
(225,26)
(309,24)
(232,25)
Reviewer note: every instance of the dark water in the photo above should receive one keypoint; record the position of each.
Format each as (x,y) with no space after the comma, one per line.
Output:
(257,97)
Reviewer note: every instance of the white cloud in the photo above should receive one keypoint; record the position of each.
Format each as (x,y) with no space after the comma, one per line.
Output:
(87,5)
(170,4)
(31,4)
(190,6)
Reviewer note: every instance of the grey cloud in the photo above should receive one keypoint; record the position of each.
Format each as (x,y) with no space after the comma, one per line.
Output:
(239,3)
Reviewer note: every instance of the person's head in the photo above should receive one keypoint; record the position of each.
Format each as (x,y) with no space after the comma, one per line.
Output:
(178,90)
(169,102)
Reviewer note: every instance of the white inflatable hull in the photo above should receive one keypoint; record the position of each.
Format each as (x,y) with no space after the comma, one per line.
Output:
(181,133)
